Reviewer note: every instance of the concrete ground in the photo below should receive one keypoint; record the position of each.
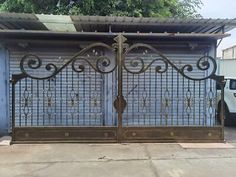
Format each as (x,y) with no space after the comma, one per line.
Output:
(117,160)
(230,134)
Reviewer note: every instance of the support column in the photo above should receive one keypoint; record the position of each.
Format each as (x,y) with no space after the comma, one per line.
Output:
(4,86)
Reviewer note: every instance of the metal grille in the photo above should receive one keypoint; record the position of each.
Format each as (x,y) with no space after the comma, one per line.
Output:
(63,100)
(168,98)
(69,98)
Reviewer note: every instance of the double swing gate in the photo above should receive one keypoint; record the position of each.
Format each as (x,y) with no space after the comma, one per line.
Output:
(116,93)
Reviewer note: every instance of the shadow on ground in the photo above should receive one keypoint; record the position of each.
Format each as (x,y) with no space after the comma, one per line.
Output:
(230,131)
(230,134)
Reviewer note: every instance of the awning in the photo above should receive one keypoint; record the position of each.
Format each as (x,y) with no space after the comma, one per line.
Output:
(35,24)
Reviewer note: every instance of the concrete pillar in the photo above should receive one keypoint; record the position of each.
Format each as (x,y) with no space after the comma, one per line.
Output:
(4,87)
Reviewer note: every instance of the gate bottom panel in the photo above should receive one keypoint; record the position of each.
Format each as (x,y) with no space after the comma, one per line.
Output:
(64,134)
(109,134)
(172,134)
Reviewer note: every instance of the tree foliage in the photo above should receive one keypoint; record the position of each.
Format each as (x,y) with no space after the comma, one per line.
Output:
(136,8)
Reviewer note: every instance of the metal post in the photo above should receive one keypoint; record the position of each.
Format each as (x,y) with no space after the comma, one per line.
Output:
(120,102)
(222,113)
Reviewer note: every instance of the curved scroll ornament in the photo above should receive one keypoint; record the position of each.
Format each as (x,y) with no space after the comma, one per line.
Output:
(31,65)
(101,64)
(33,62)
(137,65)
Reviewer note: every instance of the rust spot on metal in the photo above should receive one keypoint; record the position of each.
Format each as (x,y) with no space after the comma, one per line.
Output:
(106,135)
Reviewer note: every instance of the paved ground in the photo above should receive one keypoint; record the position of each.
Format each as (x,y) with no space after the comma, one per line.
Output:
(230,134)
(106,160)
(117,160)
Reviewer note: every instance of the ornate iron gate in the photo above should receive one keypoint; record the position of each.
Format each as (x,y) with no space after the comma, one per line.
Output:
(154,99)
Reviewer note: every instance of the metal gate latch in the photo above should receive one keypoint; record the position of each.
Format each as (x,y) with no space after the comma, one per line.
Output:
(121,107)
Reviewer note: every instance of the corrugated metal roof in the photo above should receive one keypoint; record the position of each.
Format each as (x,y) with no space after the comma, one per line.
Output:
(15,21)
(20,21)
(57,22)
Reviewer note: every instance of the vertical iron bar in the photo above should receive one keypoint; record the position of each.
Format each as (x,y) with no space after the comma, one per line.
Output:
(144,109)
(114,93)
(55,102)
(106,88)
(167,99)
(38,102)
(172,95)
(95,85)
(138,100)
(127,93)
(106,105)
(161,111)
(199,103)
(32,102)
(205,103)
(20,103)
(177,101)
(84,98)
(133,116)
(26,90)
(61,98)
(155,112)
(43,102)
(89,70)
(210,104)
(67,83)
(72,98)
(13,110)
(183,118)
(194,114)
(189,106)
(78,99)
(103,84)
(150,86)
(49,97)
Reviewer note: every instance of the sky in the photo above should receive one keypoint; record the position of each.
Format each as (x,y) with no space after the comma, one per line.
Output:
(221,9)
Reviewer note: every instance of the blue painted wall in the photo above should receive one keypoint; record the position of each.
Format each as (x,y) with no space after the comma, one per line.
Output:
(4,118)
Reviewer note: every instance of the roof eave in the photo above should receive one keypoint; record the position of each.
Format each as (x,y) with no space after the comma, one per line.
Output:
(50,34)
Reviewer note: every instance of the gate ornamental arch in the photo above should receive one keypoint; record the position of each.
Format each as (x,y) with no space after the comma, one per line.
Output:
(150,98)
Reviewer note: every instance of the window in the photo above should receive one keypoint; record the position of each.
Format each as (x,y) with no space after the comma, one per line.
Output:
(232,85)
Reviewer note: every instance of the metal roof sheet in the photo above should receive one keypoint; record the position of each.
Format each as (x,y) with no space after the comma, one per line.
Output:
(57,22)
(17,21)
(20,21)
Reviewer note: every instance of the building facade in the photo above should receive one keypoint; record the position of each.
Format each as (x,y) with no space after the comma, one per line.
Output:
(229,53)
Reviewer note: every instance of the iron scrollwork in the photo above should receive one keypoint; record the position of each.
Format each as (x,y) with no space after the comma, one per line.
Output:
(99,63)
(30,64)
(137,63)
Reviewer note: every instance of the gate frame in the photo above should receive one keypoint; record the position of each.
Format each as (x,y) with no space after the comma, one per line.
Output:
(116,134)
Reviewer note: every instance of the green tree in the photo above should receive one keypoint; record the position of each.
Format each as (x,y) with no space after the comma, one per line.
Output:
(136,8)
